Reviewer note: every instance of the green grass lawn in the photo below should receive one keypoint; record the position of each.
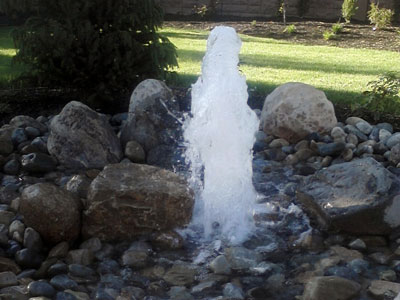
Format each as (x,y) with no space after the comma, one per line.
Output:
(8,71)
(341,73)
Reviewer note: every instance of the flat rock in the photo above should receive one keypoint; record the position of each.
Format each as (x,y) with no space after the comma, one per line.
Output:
(126,200)
(81,138)
(8,279)
(359,197)
(378,288)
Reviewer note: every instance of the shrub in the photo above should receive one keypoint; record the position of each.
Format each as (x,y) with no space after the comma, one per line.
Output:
(380,17)
(17,11)
(207,11)
(101,45)
(328,35)
(337,28)
(384,95)
(253,23)
(290,29)
(349,9)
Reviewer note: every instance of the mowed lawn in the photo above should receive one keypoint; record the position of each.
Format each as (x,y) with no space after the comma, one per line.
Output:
(342,73)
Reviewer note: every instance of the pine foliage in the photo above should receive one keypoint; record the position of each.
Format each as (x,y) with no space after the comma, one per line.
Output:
(95,44)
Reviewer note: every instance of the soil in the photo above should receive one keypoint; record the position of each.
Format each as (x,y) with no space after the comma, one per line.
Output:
(310,33)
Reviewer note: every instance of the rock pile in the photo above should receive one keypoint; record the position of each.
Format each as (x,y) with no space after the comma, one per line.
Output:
(82,216)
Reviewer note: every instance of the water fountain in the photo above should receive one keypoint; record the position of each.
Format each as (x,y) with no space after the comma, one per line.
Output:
(220,136)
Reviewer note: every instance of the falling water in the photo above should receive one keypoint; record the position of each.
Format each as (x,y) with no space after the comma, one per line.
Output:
(220,136)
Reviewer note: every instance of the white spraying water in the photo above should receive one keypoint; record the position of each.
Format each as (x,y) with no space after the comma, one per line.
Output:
(220,137)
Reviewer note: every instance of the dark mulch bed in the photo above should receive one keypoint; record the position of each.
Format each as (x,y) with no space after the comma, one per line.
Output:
(310,33)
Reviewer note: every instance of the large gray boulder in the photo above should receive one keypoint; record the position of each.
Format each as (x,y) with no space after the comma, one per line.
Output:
(126,200)
(358,197)
(294,110)
(152,119)
(53,212)
(81,138)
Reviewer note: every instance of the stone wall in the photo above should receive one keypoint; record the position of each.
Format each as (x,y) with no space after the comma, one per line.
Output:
(316,9)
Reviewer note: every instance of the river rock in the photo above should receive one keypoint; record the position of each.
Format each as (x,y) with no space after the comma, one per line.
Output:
(127,199)
(26,121)
(181,274)
(81,138)
(294,110)
(323,288)
(7,279)
(38,162)
(6,144)
(358,197)
(379,288)
(151,110)
(134,151)
(59,208)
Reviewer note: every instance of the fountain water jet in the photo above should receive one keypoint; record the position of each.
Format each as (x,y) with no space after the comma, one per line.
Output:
(220,136)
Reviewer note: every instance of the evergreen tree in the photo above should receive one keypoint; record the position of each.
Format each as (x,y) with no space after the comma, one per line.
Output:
(95,44)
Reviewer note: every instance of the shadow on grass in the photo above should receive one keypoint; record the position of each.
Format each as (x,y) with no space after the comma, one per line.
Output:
(283,62)
(259,90)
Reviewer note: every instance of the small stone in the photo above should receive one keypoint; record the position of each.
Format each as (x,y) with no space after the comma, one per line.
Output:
(16,227)
(380,258)
(79,295)
(304,154)
(40,143)
(303,144)
(331,149)
(41,288)
(364,127)
(12,167)
(57,269)
(137,255)
(380,148)
(169,240)
(385,126)
(352,129)
(353,120)
(358,265)
(63,282)
(180,274)
(220,265)
(241,258)
(374,135)
(6,217)
(394,157)
(291,159)
(352,139)
(322,288)
(80,256)
(135,152)
(7,264)
(67,296)
(233,291)
(358,244)
(28,258)
(93,244)
(79,185)
(32,240)
(384,135)
(326,162)
(18,136)
(179,293)
(346,254)
(379,288)
(60,250)
(32,132)
(347,155)
(38,163)
(388,275)
(338,134)
(393,140)
(44,267)
(275,154)
(80,271)
(278,143)
(8,279)
(204,287)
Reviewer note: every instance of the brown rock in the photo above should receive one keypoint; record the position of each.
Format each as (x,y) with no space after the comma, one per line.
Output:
(7,264)
(378,288)
(81,138)
(51,211)
(330,287)
(126,200)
